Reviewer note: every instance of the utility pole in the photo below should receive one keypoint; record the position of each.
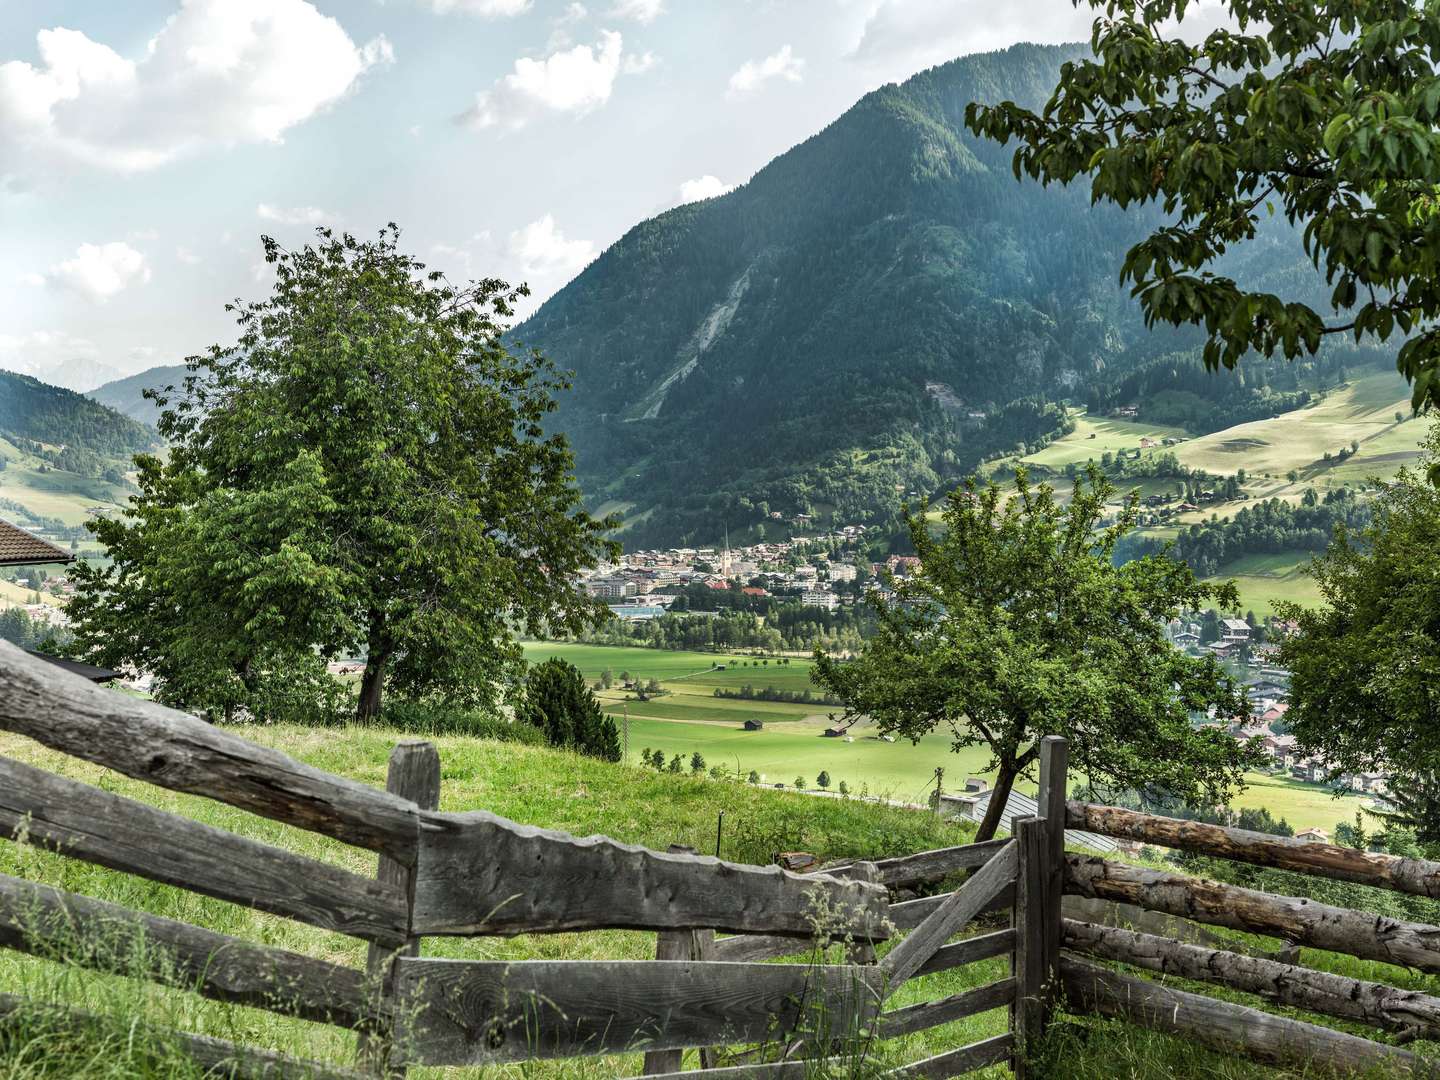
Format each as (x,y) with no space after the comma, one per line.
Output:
(939,776)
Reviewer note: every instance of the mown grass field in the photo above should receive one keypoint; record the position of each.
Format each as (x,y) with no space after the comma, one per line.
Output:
(1093,436)
(1264,579)
(1363,411)
(792,744)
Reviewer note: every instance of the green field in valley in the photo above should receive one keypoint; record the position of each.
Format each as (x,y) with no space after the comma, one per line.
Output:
(792,743)
(1264,579)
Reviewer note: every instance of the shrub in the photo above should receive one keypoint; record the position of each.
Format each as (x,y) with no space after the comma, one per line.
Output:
(422,717)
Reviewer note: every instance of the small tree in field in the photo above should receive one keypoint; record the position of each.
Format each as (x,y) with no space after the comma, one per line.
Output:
(822,781)
(558,702)
(697,763)
(1019,625)
(799,783)
(753,778)
(844,788)
(675,764)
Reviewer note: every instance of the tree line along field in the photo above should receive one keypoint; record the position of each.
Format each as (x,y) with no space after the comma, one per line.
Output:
(691,719)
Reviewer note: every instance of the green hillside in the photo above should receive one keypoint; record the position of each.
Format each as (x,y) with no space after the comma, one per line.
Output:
(874,312)
(61,420)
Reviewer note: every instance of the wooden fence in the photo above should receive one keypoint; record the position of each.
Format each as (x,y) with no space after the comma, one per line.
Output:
(464,874)
(1231,1027)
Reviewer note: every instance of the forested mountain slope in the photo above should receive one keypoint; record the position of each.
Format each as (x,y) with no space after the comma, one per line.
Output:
(35,412)
(874,311)
(128,395)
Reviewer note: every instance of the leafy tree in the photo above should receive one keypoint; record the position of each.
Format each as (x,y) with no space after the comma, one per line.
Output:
(1019,625)
(844,788)
(607,678)
(675,764)
(365,468)
(1326,112)
(697,763)
(753,778)
(558,702)
(823,780)
(657,760)
(1365,666)
(799,783)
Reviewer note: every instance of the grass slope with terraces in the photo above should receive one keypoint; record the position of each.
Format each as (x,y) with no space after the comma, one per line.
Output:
(535,786)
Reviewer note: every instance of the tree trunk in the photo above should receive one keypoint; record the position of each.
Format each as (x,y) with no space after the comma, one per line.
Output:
(1004,782)
(372,683)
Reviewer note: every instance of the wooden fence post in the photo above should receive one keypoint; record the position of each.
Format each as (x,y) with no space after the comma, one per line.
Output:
(674,945)
(1027,964)
(1054,768)
(862,950)
(414,774)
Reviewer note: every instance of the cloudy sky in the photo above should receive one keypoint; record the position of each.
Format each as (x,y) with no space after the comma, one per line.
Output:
(146,145)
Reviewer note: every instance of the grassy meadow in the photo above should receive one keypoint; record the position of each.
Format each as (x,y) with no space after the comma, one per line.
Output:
(690,718)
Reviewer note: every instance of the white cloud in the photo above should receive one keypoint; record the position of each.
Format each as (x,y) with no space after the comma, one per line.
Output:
(574,81)
(903,36)
(295,215)
(218,72)
(186,256)
(543,252)
(488,9)
(638,65)
(641,11)
(704,187)
(755,73)
(99,271)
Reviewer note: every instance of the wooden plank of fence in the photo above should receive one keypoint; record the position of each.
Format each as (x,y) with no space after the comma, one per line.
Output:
(219,1057)
(86,823)
(1419,877)
(414,775)
(930,1014)
(671,945)
(90,933)
(958,1062)
(909,914)
(762,1070)
(959,953)
(1302,988)
(905,959)
(1303,922)
(483,1012)
(482,874)
(748,948)
(1027,965)
(1235,1029)
(177,751)
(926,866)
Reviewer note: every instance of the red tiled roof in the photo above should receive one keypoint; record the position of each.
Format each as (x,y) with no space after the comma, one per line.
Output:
(19,548)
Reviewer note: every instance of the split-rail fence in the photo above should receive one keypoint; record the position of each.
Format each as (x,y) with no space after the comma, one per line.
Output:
(470,874)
